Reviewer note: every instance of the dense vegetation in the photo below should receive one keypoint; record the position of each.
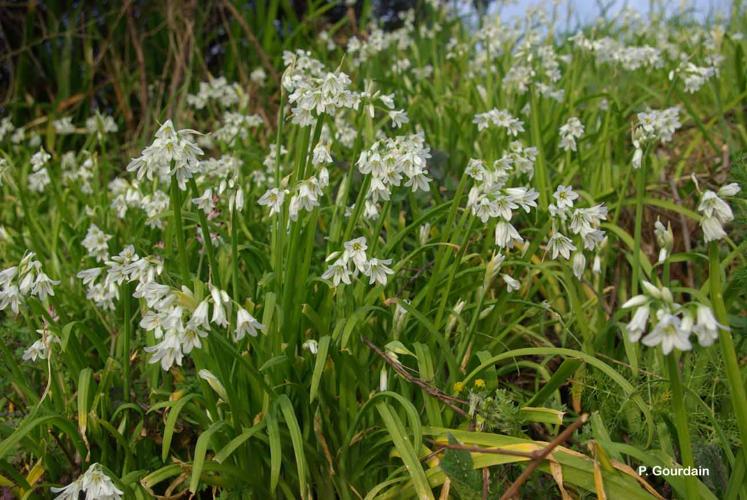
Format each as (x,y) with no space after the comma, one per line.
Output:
(263,250)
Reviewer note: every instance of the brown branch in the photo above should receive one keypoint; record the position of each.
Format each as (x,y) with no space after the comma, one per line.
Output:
(513,490)
(449,401)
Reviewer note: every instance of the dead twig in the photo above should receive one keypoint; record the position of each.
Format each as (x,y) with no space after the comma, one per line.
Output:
(513,490)
(435,392)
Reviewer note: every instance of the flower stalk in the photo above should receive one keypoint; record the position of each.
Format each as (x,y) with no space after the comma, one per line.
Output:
(681,422)
(728,352)
(176,207)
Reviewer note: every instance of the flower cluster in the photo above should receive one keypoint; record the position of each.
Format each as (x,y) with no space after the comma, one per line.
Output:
(78,175)
(24,280)
(179,320)
(671,323)
(583,223)
(610,51)
(313,91)
(126,194)
(572,129)
(127,266)
(223,174)
(353,261)
(64,126)
(95,484)
(236,126)
(40,348)
(492,198)
(654,126)
(96,243)
(39,179)
(716,212)
(390,160)
(99,124)
(499,118)
(215,89)
(694,76)
(172,153)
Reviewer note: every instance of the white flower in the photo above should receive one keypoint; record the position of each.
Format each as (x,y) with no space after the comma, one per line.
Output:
(377,270)
(96,243)
(712,229)
(191,339)
(729,190)
(70,492)
(199,318)
(398,117)
(43,286)
(273,198)
(39,159)
(221,302)
(172,153)
(506,234)
(94,483)
(664,238)
(579,264)
(311,345)
(670,331)
(511,283)
(64,126)
(711,205)
(39,180)
(246,323)
(559,244)
(355,251)
(637,325)
(168,351)
(205,202)
(338,272)
(321,155)
(635,301)
(424,232)
(37,350)
(707,327)
(716,212)
(572,130)
(98,485)
(565,196)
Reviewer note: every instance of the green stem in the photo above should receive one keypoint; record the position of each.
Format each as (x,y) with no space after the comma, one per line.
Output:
(733,374)
(639,195)
(235,255)
(127,333)
(207,240)
(176,206)
(680,419)
(540,174)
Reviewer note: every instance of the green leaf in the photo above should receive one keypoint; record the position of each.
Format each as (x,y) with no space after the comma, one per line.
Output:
(321,360)
(297,440)
(168,431)
(200,451)
(458,465)
(406,450)
(276,451)
(561,375)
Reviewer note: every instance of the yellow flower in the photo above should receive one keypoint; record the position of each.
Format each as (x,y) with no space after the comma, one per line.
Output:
(458,387)
(479,383)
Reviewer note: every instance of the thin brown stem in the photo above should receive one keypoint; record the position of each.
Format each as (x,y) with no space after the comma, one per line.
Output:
(513,490)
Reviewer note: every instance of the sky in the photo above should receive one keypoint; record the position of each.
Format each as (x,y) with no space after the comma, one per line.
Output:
(586,10)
